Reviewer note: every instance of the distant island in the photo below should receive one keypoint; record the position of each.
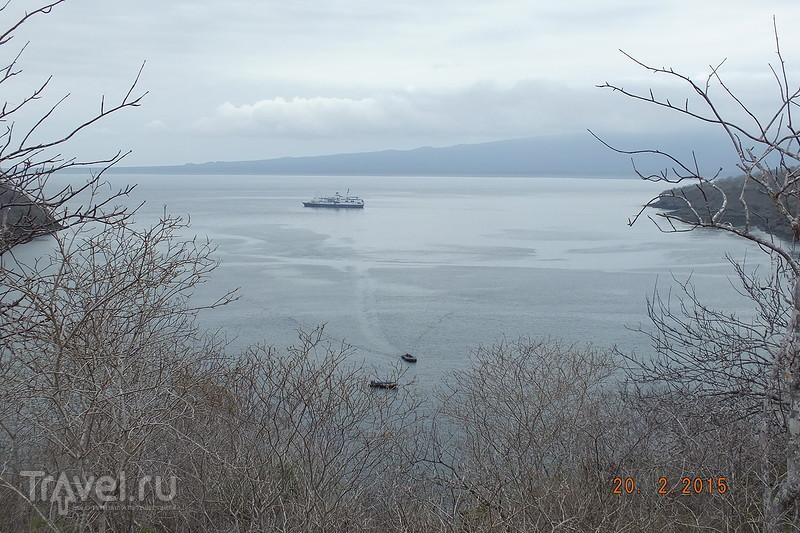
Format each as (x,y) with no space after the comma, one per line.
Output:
(554,156)
(573,155)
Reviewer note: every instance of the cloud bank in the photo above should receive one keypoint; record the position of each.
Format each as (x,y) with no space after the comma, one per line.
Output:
(482,110)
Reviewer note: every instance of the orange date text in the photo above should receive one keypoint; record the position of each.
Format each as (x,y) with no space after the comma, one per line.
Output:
(686,485)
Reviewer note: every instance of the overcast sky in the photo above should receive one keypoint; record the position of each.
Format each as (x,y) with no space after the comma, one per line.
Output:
(256,79)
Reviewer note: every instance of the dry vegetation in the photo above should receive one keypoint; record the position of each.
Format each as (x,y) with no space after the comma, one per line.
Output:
(118,413)
(105,373)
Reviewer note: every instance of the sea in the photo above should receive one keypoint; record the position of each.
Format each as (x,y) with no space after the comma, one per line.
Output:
(439,266)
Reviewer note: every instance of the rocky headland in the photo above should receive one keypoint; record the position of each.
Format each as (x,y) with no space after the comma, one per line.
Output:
(21,219)
(707,201)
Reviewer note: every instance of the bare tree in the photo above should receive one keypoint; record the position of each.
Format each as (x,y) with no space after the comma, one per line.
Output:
(297,442)
(104,371)
(101,334)
(30,203)
(517,439)
(750,367)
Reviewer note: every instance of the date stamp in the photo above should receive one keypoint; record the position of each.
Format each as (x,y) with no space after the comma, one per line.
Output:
(686,485)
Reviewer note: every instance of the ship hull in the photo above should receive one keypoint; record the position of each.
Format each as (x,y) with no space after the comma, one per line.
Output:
(334,205)
(337,201)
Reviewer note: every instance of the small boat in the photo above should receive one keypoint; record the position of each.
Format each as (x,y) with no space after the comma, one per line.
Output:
(336,201)
(408,357)
(382,384)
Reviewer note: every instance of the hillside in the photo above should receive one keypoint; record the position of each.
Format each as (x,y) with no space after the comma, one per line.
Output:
(763,214)
(580,155)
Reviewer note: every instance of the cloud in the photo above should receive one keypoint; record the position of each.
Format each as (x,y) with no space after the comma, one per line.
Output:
(316,117)
(480,110)
(235,78)
(155,126)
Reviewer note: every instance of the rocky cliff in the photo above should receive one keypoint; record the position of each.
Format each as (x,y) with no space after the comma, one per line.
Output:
(707,201)
(21,219)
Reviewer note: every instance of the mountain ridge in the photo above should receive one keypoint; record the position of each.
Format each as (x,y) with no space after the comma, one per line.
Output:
(574,155)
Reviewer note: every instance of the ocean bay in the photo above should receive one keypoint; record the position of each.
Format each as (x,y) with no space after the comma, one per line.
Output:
(436,265)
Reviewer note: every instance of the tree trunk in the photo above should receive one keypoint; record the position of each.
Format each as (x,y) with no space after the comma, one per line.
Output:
(780,497)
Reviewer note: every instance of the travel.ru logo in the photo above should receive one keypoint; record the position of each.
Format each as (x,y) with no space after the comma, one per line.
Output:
(103,492)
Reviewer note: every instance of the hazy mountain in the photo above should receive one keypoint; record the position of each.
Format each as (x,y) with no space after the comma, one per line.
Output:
(551,156)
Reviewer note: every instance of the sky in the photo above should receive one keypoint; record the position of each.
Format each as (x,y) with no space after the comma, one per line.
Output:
(231,80)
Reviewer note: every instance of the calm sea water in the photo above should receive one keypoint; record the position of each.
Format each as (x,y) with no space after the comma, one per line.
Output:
(437,266)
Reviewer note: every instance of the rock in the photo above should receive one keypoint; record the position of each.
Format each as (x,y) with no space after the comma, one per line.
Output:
(21,219)
(707,201)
